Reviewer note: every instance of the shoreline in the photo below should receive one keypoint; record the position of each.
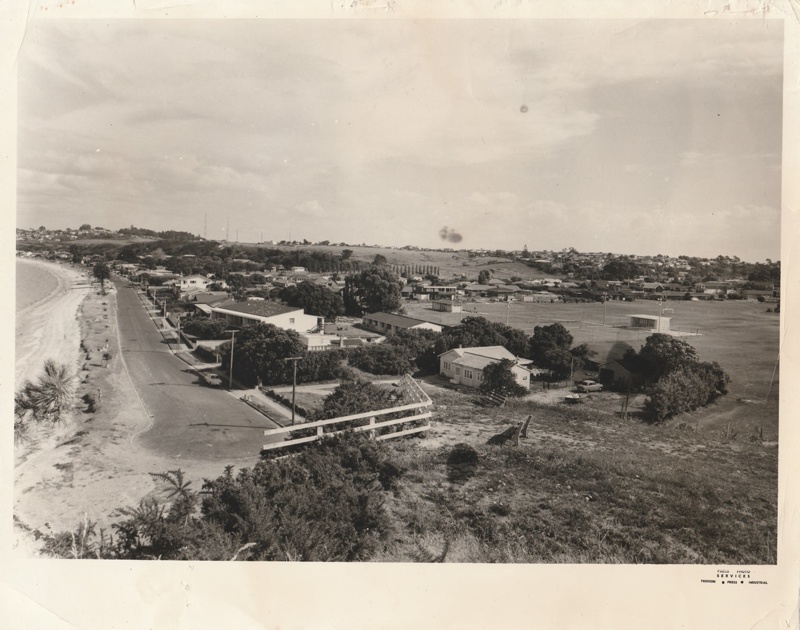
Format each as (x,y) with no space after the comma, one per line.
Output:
(49,328)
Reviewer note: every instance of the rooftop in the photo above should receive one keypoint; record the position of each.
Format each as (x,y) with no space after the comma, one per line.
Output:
(257,308)
(401,321)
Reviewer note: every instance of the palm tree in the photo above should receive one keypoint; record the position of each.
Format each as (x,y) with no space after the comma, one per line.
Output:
(48,399)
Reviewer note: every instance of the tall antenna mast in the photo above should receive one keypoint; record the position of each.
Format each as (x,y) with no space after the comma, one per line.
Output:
(205,225)
(228,229)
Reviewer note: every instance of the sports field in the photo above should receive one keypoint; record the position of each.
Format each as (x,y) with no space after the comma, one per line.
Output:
(741,336)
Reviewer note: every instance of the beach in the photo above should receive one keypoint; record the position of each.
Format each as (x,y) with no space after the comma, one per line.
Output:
(93,463)
(48,298)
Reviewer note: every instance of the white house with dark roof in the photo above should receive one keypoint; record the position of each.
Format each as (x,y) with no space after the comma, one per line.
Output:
(241,314)
(389,323)
(464,366)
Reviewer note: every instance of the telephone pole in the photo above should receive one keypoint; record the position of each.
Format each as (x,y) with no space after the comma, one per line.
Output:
(230,368)
(294,361)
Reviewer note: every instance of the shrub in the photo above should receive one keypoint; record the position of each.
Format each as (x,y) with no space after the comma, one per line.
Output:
(499,379)
(382,359)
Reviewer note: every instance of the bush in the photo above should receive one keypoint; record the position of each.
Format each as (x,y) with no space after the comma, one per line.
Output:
(685,389)
(382,359)
(499,379)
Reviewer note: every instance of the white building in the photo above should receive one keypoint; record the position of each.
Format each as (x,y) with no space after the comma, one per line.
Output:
(656,323)
(241,314)
(193,283)
(464,366)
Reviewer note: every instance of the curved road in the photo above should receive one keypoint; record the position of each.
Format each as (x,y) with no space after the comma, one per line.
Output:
(190,421)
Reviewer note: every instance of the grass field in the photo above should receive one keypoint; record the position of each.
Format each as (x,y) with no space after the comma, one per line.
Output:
(741,336)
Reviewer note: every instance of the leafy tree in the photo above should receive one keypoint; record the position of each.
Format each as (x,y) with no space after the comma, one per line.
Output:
(102,272)
(479,331)
(85,226)
(205,328)
(499,379)
(346,254)
(662,354)
(685,389)
(484,276)
(559,361)
(260,350)
(379,259)
(375,289)
(420,345)
(314,299)
(238,286)
(546,338)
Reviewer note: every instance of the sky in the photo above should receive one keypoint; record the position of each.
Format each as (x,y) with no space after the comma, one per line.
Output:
(640,137)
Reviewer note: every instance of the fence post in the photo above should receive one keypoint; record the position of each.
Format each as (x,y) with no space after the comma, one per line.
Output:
(372,424)
(319,431)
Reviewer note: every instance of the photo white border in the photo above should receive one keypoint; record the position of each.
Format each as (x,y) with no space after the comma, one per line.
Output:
(92,594)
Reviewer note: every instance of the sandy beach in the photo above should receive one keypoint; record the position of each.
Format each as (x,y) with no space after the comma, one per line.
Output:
(47,327)
(93,464)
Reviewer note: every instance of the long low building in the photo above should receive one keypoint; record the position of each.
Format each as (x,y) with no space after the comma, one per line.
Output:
(241,314)
(389,323)
(657,323)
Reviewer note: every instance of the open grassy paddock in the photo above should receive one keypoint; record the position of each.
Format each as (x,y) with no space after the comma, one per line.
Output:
(741,336)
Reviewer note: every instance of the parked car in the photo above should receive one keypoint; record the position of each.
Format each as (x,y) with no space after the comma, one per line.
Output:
(589,386)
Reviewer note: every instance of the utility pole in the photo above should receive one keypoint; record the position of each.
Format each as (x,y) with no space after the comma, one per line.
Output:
(294,361)
(230,368)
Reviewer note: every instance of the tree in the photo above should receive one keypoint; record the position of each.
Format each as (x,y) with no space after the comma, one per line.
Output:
(484,276)
(373,290)
(379,259)
(382,358)
(314,299)
(685,389)
(420,345)
(85,227)
(49,399)
(479,331)
(260,350)
(102,272)
(546,338)
(499,379)
(346,254)
(662,354)
(238,286)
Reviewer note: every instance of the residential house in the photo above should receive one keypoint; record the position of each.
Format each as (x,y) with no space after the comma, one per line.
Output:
(465,366)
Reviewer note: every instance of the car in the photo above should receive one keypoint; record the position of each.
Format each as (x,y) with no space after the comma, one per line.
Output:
(589,386)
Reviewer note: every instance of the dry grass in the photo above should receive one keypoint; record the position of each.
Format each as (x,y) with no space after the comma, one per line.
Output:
(582,487)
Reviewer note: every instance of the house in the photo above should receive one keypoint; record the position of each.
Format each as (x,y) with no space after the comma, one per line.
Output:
(389,323)
(465,366)
(241,314)
(187,284)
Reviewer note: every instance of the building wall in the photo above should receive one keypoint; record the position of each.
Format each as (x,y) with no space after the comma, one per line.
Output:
(296,320)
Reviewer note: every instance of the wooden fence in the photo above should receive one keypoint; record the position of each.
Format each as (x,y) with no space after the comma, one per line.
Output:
(411,414)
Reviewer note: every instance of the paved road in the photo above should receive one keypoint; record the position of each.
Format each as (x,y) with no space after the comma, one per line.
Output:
(190,421)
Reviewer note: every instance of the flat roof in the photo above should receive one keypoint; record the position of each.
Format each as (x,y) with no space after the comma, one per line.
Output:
(650,317)
(259,308)
(401,321)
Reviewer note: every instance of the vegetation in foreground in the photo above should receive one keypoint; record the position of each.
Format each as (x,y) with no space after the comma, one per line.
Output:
(582,487)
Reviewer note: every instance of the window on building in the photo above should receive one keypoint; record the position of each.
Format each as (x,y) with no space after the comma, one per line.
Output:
(480,377)
(446,365)
(458,371)
(467,373)
(291,320)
